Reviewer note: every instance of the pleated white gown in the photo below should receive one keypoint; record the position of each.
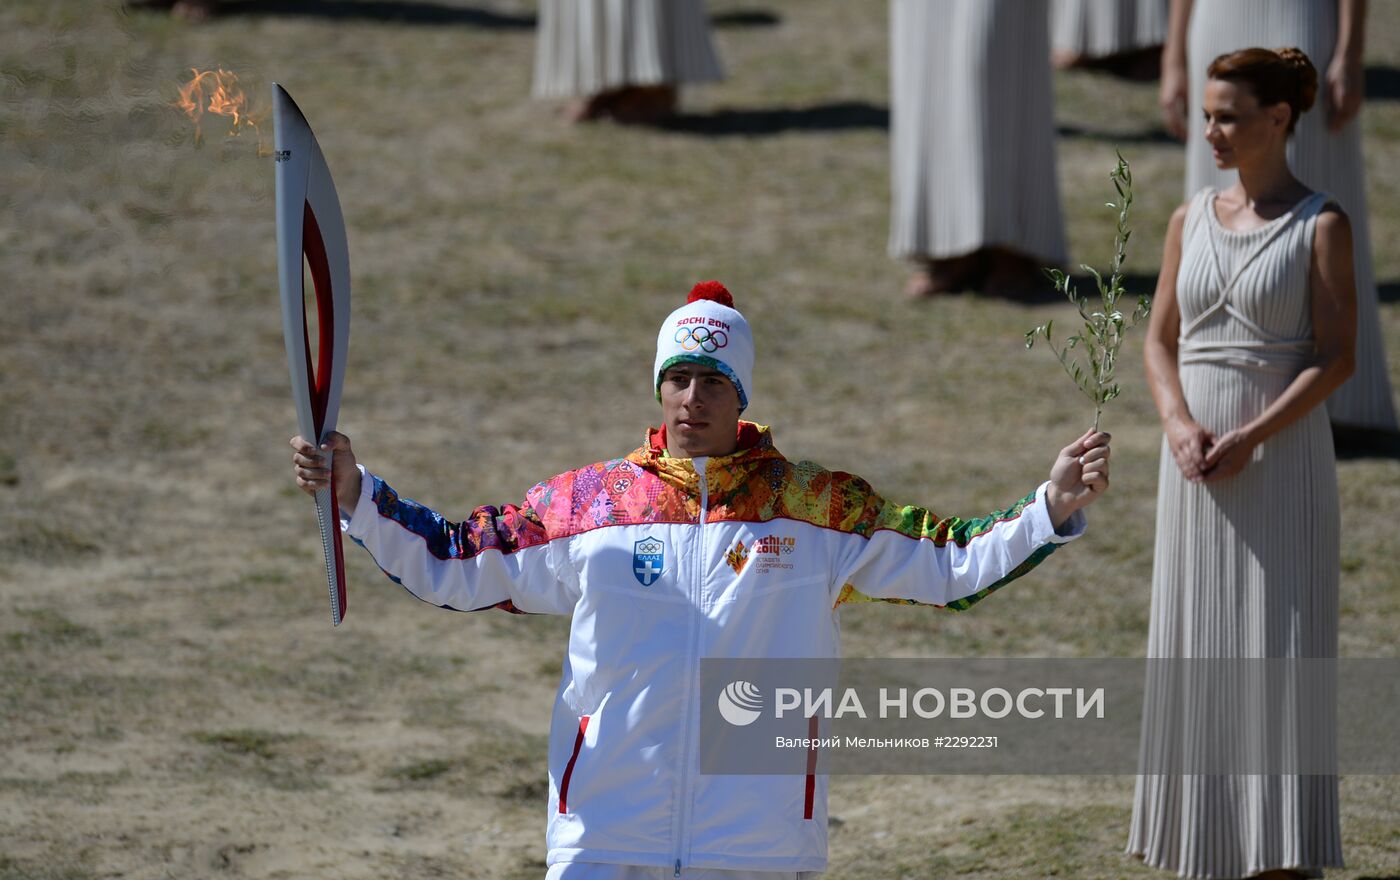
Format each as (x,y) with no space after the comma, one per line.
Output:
(1246,567)
(584,47)
(1324,161)
(973,130)
(1102,28)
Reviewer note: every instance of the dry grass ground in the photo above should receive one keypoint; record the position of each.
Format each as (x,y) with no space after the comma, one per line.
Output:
(174,702)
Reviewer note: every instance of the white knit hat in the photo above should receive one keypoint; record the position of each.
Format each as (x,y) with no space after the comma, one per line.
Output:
(707,330)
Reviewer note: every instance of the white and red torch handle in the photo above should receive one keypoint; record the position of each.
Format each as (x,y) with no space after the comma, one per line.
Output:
(310,228)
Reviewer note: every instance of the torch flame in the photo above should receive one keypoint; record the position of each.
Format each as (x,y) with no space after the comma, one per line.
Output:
(217,92)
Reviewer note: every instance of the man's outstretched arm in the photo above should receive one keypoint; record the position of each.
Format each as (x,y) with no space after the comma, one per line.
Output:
(905,553)
(493,558)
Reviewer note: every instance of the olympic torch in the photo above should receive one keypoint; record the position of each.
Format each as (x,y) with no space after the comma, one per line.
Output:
(310,227)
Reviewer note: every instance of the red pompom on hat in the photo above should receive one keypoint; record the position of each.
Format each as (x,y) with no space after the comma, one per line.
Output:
(713,291)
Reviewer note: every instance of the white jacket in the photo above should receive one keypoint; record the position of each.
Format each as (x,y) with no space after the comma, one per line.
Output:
(664,561)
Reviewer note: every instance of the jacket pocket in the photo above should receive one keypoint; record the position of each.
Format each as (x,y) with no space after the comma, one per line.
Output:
(569,768)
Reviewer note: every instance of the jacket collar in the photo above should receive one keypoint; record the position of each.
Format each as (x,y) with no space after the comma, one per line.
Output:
(755,446)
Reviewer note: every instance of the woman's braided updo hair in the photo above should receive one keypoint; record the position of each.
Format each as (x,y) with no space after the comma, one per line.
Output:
(1274,76)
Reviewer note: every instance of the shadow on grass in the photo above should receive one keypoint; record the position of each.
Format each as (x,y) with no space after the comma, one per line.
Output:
(1388,291)
(745,18)
(842,115)
(1383,83)
(1358,443)
(412,12)
(1139,282)
(1382,80)
(838,116)
(1133,282)
(1151,136)
(1045,294)
(423,12)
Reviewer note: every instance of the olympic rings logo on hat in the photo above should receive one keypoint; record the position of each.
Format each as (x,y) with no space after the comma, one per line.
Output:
(703,338)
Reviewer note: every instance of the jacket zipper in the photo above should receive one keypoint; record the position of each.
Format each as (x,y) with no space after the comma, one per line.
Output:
(683,815)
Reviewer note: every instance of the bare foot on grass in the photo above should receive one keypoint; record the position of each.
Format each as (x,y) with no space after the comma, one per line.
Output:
(630,105)
(933,278)
(589,108)
(194,11)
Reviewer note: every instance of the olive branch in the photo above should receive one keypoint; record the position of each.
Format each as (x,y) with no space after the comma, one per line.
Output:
(1104,323)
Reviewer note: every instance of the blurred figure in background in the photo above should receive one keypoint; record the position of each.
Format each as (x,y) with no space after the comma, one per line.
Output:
(1124,37)
(975,203)
(622,59)
(1325,152)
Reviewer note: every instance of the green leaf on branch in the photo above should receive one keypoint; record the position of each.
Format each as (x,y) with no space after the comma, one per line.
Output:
(1090,355)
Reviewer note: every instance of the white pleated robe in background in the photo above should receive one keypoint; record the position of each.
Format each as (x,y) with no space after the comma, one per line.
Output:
(584,47)
(1103,28)
(1321,159)
(973,130)
(1247,566)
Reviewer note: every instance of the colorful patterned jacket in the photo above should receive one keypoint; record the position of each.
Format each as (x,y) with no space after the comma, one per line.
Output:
(663,561)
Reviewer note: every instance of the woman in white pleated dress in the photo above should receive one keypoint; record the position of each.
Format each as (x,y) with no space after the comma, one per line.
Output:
(1253,326)
(1325,153)
(974,202)
(622,59)
(1124,36)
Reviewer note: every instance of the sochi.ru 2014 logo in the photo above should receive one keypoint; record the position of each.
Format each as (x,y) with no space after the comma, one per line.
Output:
(740,703)
(648,560)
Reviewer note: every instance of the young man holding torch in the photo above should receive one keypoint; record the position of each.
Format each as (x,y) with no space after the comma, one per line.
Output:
(649,554)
